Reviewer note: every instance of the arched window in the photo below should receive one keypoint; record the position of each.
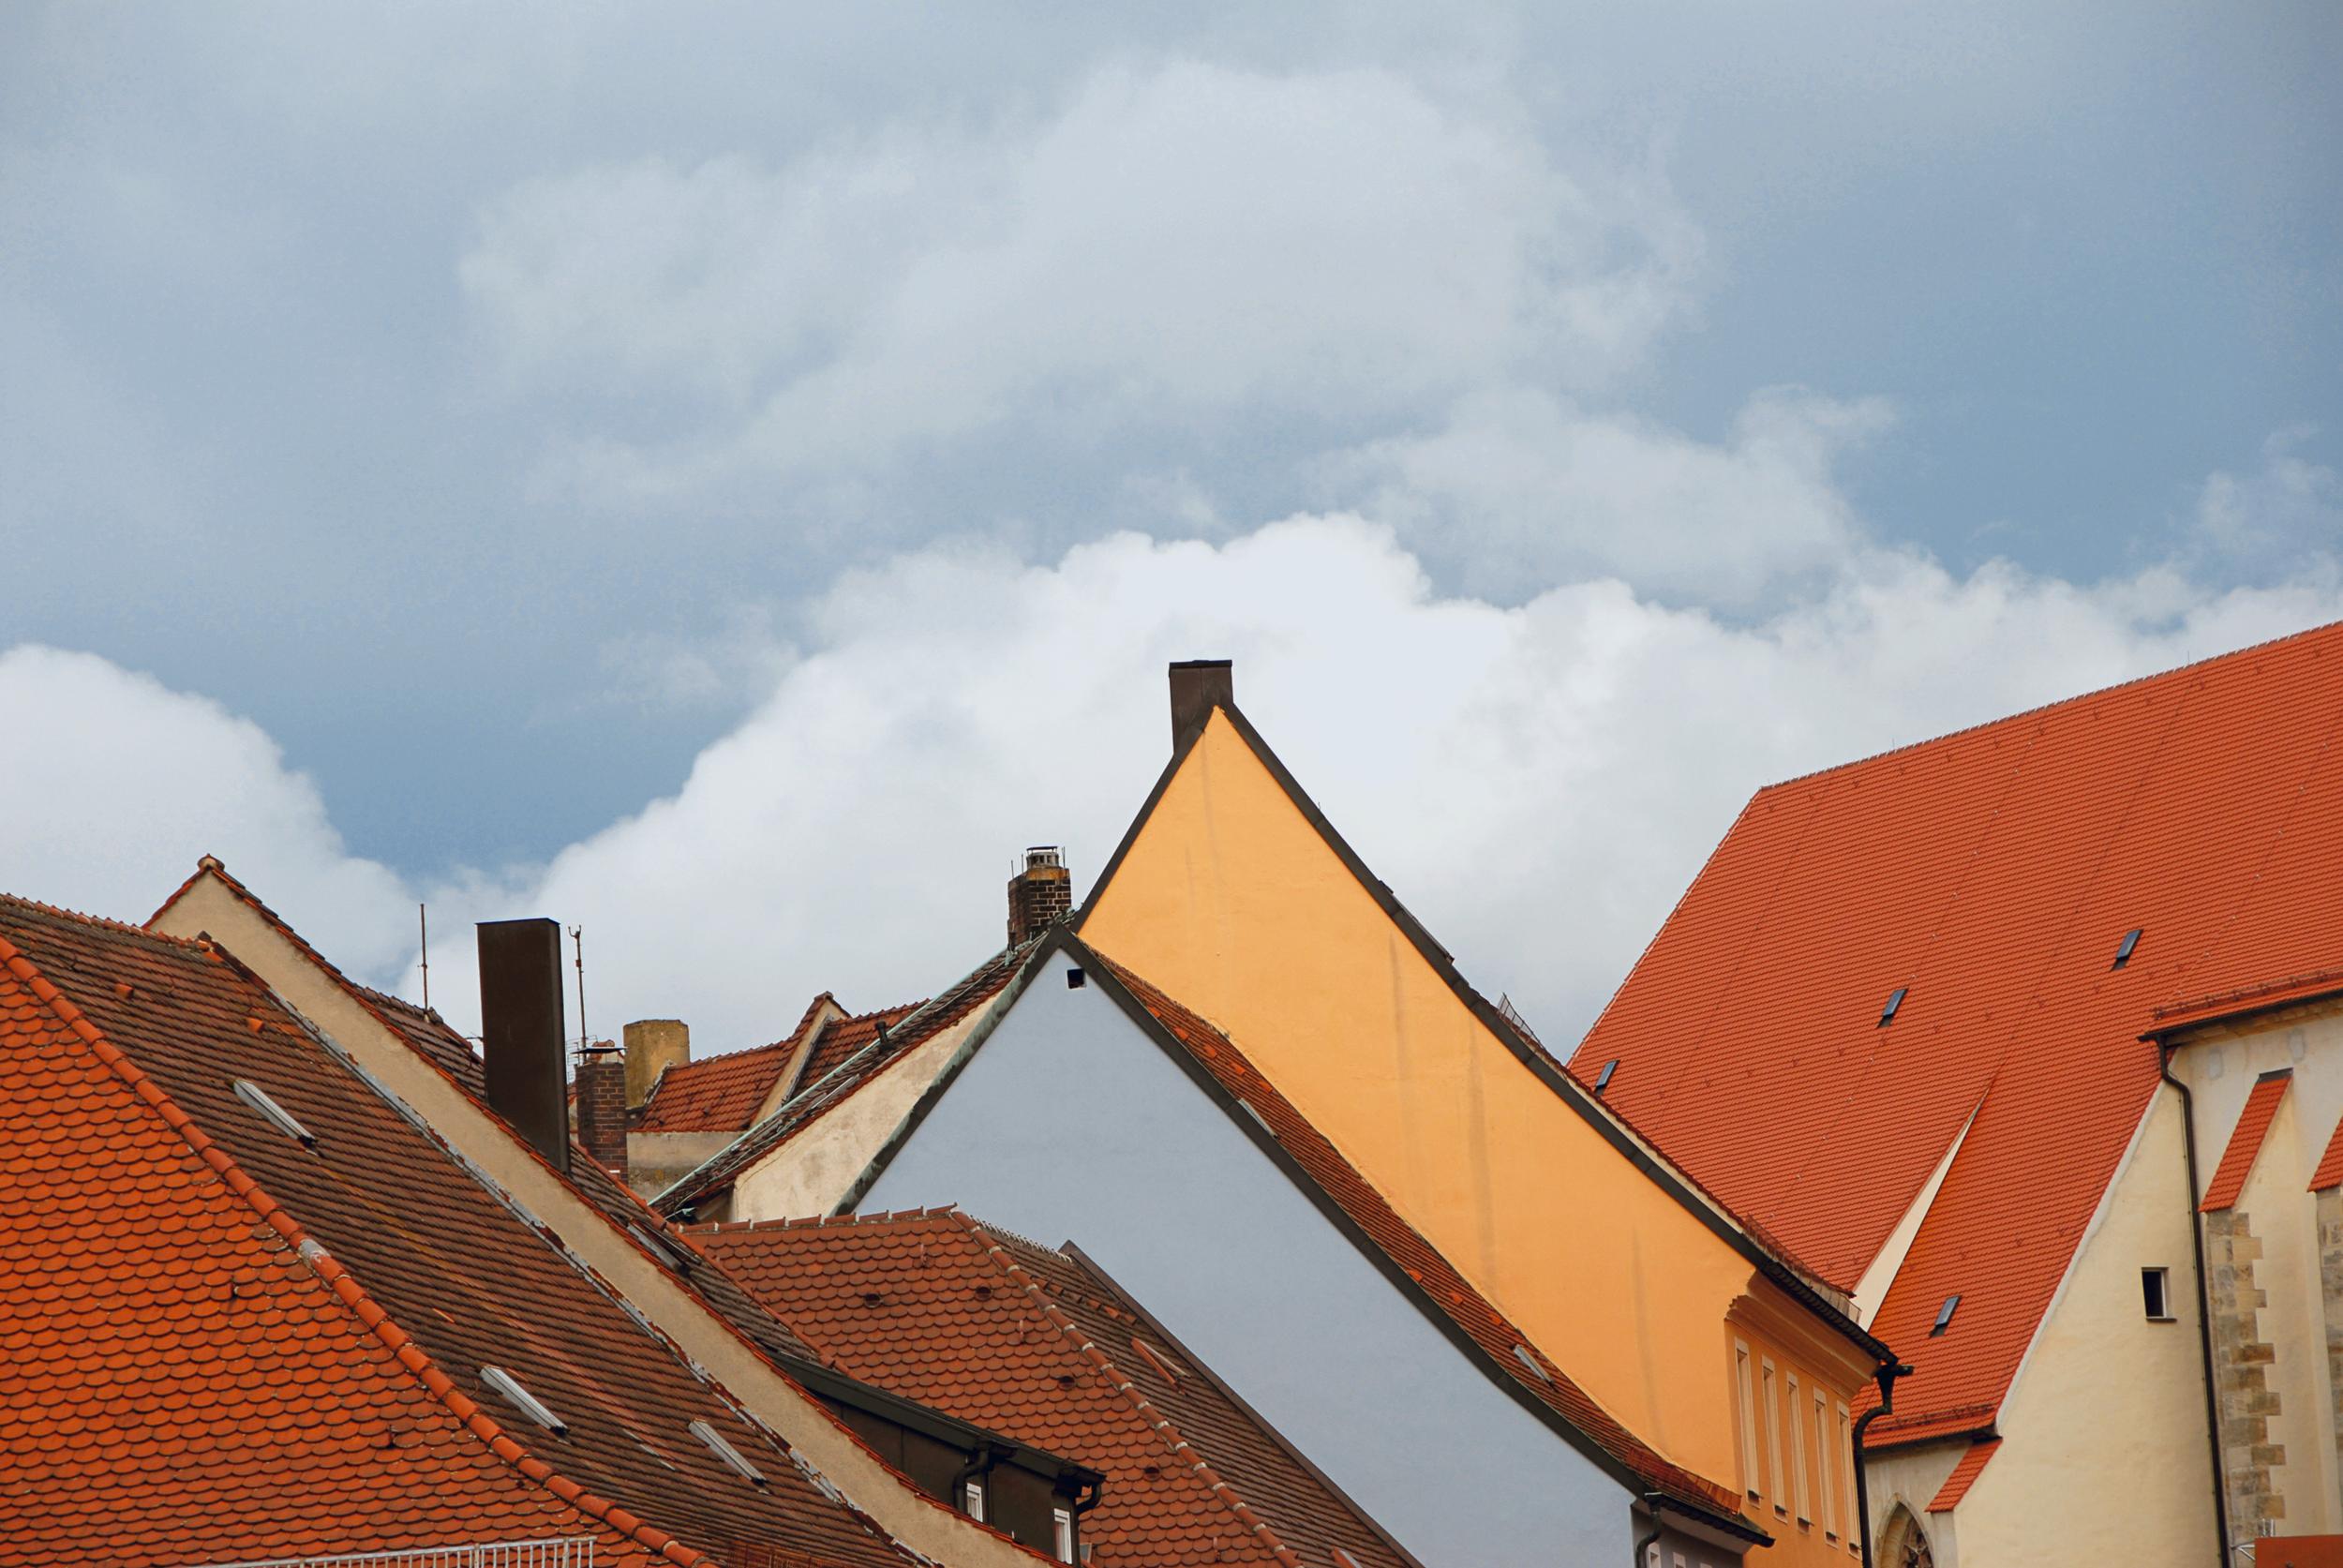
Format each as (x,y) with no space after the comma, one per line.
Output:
(1904,1543)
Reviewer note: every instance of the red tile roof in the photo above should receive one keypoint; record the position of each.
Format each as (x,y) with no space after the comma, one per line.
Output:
(445,1275)
(722,1093)
(1509,1355)
(1963,1476)
(2244,1141)
(1991,874)
(2330,1171)
(1028,1341)
(975,990)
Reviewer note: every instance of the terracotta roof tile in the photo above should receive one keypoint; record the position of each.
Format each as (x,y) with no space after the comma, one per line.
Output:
(2244,1141)
(1992,875)
(975,990)
(1963,1476)
(841,1037)
(1030,1342)
(453,1279)
(715,1094)
(1508,1351)
(2330,1171)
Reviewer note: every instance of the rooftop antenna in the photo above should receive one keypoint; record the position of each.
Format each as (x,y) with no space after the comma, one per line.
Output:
(422,923)
(577,945)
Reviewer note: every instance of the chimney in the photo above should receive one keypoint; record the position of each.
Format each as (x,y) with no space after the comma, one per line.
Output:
(653,1046)
(520,1027)
(1198,686)
(602,1106)
(1041,894)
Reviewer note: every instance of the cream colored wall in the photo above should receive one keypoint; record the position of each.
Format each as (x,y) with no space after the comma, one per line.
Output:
(2103,1455)
(918,1520)
(810,1174)
(1912,1477)
(1231,900)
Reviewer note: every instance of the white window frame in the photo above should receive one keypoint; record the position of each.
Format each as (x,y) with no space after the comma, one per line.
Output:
(1804,1493)
(1844,1453)
(2164,1294)
(1827,1467)
(972,1499)
(1773,1433)
(1749,1420)
(1062,1534)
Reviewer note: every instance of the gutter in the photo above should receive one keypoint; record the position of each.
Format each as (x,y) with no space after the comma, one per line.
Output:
(1888,1372)
(2205,1302)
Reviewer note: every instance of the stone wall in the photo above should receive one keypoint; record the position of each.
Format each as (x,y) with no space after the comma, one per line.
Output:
(2331,1294)
(2242,1360)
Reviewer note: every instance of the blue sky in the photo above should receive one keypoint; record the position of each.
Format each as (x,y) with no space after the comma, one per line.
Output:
(473,437)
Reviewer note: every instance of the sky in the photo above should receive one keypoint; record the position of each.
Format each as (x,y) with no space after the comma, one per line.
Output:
(728,477)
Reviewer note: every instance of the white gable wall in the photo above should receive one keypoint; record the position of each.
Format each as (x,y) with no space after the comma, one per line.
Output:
(1069,1123)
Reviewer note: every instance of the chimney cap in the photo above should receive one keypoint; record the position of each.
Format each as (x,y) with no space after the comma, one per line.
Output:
(1198,687)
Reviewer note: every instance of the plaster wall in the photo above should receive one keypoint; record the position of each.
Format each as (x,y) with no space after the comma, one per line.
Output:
(811,1172)
(914,1517)
(656,1160)
(2103,1455)
(1909,1478)
(1068,1122)
(1228,898)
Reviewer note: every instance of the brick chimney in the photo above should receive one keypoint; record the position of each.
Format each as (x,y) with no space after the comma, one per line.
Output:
(1198,686)
(602,1106)
(520,1028)
(653,1046)
(1040,894)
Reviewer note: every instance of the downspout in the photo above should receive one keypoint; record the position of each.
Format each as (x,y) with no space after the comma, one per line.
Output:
(1888,1374)
(980,1469)
(1651,1506)
(2205,1300)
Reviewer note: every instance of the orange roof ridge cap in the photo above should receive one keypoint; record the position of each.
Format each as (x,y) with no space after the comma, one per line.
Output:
(2041,710)
(103,922)
(370,1314)
(1112,1376)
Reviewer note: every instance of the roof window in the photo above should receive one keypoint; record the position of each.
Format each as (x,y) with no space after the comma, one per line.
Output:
(1075,978)
(1895,1000)
(1521,1354)
(284,1120)
(734,1459)
(1944,1316)
(2123,948)
(1603,1079)
(522,1401)
(657,1248)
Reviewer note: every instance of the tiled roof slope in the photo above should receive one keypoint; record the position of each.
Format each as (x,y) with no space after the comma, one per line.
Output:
(931,1306)
(2244,1141)
(974,990)
(2330,1171)
(841,1037)
(1471,1313)
(1993,874)
(445,1263)
(177,1384)
(1963,1476)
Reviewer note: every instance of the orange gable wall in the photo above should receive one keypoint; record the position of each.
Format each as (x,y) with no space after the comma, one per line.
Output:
(1229,900)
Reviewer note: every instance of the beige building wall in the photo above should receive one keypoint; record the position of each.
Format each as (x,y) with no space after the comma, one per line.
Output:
(920,1521)
(2103,1455)
(812,1172)
(1908,1478)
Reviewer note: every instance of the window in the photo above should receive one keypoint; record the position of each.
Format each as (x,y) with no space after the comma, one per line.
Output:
(972,1500)
(1842,1453)
(1895,1000)
(1944,1317)
(283,1120)
(1749,1419)
(1823,1471)
(2123,950)
(1074,979)
(2156,1294)
(522,1401)
(1603,1079)
(1798,1453)
(733,1458)
(1062,1535)
(1773,1440)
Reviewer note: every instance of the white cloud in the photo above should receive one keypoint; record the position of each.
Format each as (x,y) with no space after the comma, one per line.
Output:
(2277,519)
(1183,243)
(1520,488)
(1538,782)
(114,786)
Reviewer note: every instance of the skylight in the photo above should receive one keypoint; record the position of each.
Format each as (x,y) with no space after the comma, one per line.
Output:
(1895,1000)
(2123,950)
(1603,1079)
(734,1459)
(284,1120)
(522,1401)
(1944,1316)
(1521,1354)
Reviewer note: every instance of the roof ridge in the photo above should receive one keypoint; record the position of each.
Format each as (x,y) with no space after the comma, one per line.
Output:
(816,1221)
(2042,708)
(329,1270)
(1112,1376)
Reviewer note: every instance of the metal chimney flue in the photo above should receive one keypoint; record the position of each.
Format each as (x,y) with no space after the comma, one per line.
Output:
(522,1032)
(1198,687)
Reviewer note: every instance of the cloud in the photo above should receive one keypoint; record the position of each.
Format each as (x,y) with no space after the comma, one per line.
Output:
(1180,244)
(1519,488)
(115,786)
(2276,520)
